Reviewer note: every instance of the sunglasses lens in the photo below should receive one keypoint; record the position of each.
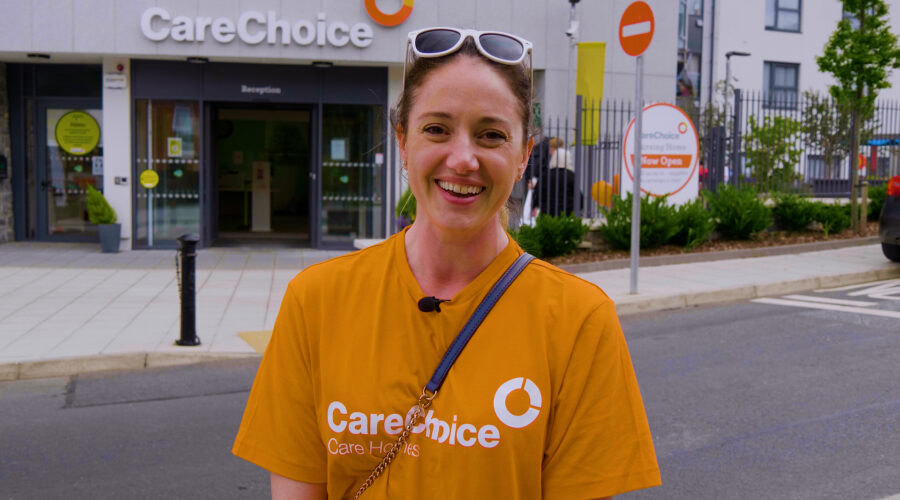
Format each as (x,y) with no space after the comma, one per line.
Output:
(501,46)
(436,41)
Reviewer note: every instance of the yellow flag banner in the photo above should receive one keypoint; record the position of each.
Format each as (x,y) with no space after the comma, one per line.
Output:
(589,84)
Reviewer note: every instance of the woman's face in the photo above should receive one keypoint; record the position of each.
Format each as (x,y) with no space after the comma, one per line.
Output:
(463,148)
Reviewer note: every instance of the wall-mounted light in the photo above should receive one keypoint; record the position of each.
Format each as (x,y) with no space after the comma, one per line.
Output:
(198,60)
(322,64)
(35,55)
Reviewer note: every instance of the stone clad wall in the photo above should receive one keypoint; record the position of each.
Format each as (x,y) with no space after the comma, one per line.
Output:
(6,199)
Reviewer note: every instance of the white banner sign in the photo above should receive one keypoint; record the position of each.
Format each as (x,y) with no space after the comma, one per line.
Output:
(669,155)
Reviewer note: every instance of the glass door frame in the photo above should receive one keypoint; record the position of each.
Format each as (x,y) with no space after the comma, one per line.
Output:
(209,179)
(41,193)
(384,142)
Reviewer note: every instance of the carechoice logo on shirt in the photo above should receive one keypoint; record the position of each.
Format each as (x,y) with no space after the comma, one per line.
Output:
(450,432)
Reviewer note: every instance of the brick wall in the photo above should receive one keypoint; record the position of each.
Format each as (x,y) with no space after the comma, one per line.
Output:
(6,201)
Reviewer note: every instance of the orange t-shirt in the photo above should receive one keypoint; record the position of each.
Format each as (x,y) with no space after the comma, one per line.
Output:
(543,401)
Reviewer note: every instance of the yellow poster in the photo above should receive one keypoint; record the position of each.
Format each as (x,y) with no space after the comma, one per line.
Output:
(77,133)
(149,179)
(589,85)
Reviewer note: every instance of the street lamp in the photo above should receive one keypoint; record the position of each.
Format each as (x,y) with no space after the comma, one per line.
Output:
(728,55)
(734,159)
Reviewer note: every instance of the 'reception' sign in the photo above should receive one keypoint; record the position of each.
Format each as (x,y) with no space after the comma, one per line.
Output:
(670,155)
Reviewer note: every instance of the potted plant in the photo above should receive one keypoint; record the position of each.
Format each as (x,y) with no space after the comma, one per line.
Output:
(102,214)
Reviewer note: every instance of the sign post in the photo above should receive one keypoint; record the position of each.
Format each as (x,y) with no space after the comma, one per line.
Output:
(635,33)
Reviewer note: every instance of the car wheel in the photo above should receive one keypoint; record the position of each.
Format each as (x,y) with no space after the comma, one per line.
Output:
(891,251)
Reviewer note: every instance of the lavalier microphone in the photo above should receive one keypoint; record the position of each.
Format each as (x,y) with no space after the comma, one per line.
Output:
(428,304)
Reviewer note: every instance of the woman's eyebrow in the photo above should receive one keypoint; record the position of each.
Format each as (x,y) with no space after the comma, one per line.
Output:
(436,114)
(493,120)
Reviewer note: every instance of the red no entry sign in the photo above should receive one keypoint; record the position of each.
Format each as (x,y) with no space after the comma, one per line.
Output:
(636,28)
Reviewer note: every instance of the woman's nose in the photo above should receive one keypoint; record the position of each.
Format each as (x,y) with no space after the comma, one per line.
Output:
(462,156)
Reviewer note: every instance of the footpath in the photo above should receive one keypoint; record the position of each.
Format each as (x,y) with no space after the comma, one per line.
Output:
(68,309)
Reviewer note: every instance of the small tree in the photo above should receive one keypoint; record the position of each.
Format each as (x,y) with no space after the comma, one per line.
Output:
(860,59)
(825,124)
(98,209)
(772,152)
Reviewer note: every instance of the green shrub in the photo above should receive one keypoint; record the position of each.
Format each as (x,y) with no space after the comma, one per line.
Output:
(695,224)
(98,209)
(551,236)
(738,212)
(406,206)
(529,239)
(876,201)
(792,212)
(617,229)
(659,222)
(834,218)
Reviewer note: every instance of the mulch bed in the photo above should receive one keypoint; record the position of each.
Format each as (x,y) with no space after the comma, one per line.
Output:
(600,251)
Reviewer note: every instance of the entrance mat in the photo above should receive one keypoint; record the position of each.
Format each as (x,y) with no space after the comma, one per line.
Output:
(258,340)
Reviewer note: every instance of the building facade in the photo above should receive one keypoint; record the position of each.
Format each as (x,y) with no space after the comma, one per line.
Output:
(251,119)
(783,38)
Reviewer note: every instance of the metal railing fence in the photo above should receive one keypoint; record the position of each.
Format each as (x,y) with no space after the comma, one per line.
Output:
(777,144)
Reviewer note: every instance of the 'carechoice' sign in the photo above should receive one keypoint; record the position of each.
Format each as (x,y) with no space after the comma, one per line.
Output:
(253,27)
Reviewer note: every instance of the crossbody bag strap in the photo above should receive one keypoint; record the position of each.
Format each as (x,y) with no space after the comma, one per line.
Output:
(437,380)
(456,348)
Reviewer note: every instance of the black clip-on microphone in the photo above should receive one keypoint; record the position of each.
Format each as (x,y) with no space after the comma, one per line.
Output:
(428,304)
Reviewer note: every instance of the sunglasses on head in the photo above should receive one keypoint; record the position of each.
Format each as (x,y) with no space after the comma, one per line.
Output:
(494,45)
(497,46)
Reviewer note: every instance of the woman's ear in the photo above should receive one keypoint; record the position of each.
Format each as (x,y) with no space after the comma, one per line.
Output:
(401,143)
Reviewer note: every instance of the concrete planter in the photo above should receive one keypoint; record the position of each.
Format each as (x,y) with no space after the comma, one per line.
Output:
(110,234)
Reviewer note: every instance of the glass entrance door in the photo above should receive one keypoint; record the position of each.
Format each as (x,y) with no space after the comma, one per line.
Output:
(261,163)
(166,172)
(352,174)
(69,159)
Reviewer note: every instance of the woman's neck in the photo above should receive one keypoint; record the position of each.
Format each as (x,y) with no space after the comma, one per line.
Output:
(443,264)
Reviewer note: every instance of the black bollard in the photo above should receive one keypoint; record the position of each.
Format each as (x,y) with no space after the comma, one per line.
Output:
(186,274)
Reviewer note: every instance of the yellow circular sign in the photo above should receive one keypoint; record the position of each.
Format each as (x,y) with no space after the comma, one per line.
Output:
(149,179)
(77,133)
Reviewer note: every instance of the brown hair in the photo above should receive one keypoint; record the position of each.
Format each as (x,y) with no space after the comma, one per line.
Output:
(517,77)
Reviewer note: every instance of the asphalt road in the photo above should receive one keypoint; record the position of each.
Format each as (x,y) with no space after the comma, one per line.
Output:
(757,400)
(160,434)
(746,400)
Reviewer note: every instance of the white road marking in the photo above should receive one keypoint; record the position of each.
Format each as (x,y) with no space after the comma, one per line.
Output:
(826,300)
(885,288)
(636,29)
(829,307)
(861,285)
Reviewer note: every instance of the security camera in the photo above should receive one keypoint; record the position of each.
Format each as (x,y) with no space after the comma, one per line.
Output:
(572,32)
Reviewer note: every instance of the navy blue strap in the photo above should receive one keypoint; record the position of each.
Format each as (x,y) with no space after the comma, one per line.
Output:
(474,322)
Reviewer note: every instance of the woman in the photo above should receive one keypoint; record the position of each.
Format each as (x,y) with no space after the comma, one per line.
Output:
(542,402)
(559,180)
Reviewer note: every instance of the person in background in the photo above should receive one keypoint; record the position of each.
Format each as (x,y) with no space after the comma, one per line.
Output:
(559,180)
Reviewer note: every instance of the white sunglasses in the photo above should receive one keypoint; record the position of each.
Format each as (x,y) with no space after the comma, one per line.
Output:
(495,45)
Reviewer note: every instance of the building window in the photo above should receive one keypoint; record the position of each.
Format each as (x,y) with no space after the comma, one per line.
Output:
(780,84)
(783,15)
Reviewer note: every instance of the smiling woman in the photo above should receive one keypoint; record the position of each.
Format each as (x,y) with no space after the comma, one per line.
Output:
(541,403)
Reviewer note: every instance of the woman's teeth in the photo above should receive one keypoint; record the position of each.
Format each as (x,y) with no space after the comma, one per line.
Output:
(460,189)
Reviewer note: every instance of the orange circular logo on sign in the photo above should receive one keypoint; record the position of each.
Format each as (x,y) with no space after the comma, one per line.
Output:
(636,28)
(389,19)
